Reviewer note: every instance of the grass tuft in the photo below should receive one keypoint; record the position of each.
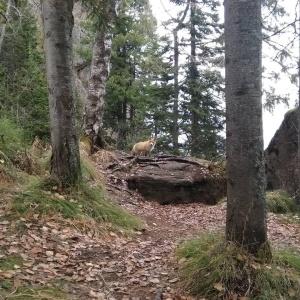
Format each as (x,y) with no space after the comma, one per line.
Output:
(83,202)
(216,269)
(37,293)
(280,202)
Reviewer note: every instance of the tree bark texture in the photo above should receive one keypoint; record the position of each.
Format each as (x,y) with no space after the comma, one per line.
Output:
(58,24)
(94,106)
(3,29)
(246,216)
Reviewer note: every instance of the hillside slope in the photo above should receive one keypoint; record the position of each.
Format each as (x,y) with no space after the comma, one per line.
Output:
(44,257)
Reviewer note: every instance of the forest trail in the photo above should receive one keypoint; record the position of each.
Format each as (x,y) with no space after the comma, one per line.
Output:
(148,268)
(117,267)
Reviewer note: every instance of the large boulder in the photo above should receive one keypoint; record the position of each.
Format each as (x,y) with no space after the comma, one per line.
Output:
(174,179)
(281,155)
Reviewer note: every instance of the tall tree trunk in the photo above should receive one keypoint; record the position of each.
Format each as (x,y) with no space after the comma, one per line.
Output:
(58,24)
(94,106)
(193,78)
(175,129)
(6,17)
(246,214)
(175,132)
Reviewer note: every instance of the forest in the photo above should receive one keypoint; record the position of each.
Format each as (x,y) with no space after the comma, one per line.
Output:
(82,84)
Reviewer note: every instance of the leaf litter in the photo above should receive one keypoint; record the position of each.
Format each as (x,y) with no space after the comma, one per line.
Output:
(116,267)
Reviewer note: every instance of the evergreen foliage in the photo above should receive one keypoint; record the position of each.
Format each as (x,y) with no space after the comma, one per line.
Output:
(202,86)
(140,89)
(130,106)
(23,89)
(11,138)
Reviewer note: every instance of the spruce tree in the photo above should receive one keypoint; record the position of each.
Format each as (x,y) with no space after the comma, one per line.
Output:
(128,96)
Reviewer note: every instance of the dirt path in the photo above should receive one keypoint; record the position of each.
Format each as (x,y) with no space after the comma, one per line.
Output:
(146,267)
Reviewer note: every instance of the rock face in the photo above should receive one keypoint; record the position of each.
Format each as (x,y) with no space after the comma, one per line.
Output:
(281,155)
(177,180)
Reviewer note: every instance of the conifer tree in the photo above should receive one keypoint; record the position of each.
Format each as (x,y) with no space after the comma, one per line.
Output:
(128,89)
(202,86)
(199,109)
(246,212)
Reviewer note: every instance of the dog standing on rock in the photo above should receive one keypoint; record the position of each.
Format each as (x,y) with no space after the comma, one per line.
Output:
(144,148)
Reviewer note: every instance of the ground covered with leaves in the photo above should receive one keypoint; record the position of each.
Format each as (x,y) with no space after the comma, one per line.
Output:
(51,257)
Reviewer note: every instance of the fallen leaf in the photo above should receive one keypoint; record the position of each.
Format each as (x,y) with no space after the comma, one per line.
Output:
(219,287)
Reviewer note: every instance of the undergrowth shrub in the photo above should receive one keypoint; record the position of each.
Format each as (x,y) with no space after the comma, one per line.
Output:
(216,269)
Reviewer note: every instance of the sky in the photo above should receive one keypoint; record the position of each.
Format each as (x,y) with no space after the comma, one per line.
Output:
(163,10)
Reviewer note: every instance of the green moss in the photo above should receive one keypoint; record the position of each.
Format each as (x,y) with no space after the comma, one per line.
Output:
(291,111)
(8,262)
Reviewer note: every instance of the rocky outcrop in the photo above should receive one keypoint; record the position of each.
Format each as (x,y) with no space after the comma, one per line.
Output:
(172,179)
(281,155)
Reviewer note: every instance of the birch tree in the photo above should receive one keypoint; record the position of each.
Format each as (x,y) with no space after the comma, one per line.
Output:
(94,102)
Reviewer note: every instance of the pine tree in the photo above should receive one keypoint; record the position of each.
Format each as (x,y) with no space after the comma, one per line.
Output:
(204,84)
(128,88)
